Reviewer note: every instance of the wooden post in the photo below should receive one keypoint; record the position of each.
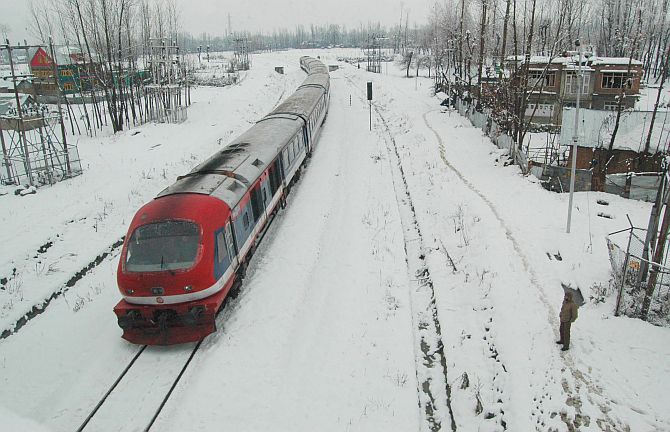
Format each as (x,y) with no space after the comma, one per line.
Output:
(19,109)
(5,155)
(658,257)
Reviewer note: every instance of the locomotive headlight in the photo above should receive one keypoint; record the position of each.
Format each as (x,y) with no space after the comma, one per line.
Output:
(130,291)
(188,288)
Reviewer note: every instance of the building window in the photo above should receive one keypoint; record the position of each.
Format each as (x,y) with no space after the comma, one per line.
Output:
(611,106)
(572,83)
(43,74)
(542,79)
(615,80)
(66,73)
(68,87)
(540,110)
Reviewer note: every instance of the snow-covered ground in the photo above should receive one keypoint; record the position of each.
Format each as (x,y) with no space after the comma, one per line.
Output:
(329,330)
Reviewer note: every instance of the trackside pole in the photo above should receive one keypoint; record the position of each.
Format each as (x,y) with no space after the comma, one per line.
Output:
(575,137)
(370,101)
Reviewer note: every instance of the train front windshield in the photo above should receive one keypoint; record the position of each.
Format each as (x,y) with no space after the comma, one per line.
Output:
(169,245)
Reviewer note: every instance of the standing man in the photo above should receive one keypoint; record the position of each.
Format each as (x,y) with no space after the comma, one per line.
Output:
(567,316)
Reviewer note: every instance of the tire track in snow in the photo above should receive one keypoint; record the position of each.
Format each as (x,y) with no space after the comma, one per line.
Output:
(573,398)
(434,391)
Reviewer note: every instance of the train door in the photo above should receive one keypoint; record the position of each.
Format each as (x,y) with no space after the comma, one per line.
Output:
(305,137)
(275,176)
(230,242)
(257,202)
(223,256)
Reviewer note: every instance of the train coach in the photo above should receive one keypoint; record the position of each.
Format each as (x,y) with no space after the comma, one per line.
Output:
(186,248)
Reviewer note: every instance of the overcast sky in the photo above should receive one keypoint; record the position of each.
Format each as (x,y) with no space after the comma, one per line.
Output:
(211,16)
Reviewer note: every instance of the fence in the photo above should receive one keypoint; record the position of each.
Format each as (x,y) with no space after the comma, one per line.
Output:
(48,166)
(171,115)
(641,187)
(556,177)
(34,150)
(629,265)
(630,269)
(485,122)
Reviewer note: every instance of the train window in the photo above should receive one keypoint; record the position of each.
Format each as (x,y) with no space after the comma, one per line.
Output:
(167,245)
(221,249)
(245,220)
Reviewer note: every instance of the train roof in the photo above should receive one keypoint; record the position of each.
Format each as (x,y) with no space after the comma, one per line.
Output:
(317,80)
(229,172)
(300,103)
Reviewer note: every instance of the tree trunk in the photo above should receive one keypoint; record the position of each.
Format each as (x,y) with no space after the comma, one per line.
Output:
(524,79)
(409,63)
(658,257)
(503,50)
(664,74)
(480,64)
(622,93)
(116,122)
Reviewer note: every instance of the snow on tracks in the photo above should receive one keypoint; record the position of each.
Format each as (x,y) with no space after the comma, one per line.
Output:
(431,367)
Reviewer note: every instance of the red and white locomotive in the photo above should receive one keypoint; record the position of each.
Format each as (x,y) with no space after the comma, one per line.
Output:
(185,249)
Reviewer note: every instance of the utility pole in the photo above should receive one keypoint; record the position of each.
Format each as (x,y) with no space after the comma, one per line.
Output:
(658,257)
(230,27)
(575,135)
(370,101)
(60,110)
(652,227)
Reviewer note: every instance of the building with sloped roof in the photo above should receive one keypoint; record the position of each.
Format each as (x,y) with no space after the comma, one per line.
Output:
(75,71)
(554,84)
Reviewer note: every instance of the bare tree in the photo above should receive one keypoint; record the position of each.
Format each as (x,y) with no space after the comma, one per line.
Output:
(664,75)
(5,29)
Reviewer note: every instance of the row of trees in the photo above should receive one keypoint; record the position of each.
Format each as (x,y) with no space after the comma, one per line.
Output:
(461,39)
(316,36)
(112,35)
(468,37)
(489,30)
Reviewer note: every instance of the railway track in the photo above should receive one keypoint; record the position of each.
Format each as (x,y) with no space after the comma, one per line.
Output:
(122,386)
(103,410)
(434,392)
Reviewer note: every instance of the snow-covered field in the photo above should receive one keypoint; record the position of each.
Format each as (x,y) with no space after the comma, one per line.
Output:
(388,232)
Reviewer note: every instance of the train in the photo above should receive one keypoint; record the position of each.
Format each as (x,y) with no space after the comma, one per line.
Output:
(186,248)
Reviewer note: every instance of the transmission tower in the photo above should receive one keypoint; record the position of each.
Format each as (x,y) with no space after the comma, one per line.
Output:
(242,59)
(375,53)
(34,145)
(167,95)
